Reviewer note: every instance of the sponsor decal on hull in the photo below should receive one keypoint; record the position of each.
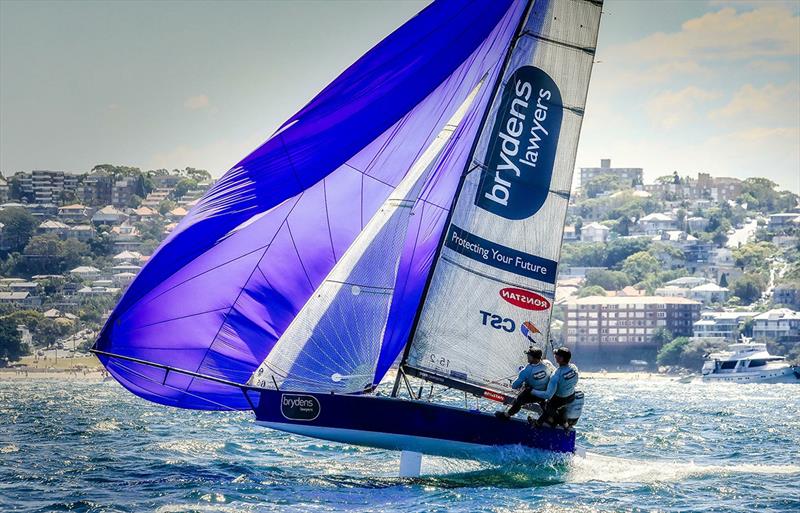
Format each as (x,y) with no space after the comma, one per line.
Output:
(299,407)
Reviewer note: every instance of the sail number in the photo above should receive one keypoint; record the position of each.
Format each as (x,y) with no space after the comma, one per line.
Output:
(439,361)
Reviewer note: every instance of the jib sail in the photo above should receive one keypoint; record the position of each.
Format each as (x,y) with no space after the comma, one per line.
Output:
(491,293)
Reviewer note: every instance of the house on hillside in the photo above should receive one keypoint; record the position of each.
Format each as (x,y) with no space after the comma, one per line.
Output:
(780,324)
(109,215)
(709,293)
(53,227)
(75,213)
(595,232)
(657,222)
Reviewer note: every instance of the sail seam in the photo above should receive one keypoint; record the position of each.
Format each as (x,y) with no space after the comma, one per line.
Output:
(328,216)
(299,258)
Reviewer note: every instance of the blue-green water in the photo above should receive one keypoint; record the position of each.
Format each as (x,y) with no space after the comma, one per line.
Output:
(653,446)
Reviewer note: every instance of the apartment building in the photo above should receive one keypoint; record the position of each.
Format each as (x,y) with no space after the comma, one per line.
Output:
(618,329)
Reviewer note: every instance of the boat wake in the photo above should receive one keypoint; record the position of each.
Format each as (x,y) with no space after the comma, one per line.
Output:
(600,468)
(518,467)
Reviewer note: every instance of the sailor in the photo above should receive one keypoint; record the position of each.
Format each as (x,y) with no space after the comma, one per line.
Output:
(561,388)
(535,376)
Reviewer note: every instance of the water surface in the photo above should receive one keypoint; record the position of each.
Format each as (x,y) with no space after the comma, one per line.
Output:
(653,445)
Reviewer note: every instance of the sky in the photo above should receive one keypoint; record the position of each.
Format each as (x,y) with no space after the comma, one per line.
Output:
(686,85)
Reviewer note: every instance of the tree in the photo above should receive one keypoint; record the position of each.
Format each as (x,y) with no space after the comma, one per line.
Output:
(670,353)
(693,353)
(754,256)
(594,290)
(592,254)
(662,336)
(761,194)
(723,280)
(602,184)
(749,287)
(618,250)
(639,265)
(49,331)
(10,341)
(18,227)
(47,254)
(183,187)
(608,280)
(167,205)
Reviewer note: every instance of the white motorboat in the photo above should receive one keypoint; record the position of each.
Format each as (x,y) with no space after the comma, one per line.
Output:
(748,362)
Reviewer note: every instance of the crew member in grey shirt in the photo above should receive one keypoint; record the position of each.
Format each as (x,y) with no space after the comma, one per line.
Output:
(534,377)
(560,390)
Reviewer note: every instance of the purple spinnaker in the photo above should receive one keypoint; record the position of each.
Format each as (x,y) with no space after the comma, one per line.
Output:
(221,289)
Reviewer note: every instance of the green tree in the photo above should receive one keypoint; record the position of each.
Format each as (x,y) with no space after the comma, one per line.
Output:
(639,265)
(618,250)
(593,290)
(592,254)
(662,336)
(723,280)
(602,184)
(693,353)
(754,256)
(18,227)
(670,353)
(47,254)
(183,187)
(608,280)
(10,341)
(749,287)
(165,206)
(48,331)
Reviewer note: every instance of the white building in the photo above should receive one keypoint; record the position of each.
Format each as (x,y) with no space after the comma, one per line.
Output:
(709,293)
(657,222)
(725,326)
(781,324)
(594,232)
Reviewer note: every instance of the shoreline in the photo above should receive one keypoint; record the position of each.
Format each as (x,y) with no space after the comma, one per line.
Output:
(82,373)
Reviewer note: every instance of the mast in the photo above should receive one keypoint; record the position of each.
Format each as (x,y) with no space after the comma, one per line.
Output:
(467,169)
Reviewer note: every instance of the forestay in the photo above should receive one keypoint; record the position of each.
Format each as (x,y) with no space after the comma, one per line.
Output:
(492,288)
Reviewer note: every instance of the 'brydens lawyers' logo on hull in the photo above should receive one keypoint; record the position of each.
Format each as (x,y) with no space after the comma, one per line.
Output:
(522,146)
(299,407)
(524,299)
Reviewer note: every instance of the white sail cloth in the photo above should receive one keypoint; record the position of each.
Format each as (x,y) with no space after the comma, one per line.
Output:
(493,285)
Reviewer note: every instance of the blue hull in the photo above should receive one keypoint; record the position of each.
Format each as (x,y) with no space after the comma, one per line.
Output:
(399,424)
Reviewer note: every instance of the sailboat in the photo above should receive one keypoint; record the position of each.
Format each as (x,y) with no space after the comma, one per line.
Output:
(412,210)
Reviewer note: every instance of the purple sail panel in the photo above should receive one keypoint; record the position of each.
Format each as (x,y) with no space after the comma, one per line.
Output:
(430,213)
(224,286)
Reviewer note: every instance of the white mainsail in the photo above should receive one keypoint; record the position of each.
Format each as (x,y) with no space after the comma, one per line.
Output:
(334,342)
(492,288)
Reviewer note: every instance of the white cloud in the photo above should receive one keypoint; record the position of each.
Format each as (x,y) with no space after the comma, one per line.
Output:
(768,31)
(672,108)
(198,102)
(772,105)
